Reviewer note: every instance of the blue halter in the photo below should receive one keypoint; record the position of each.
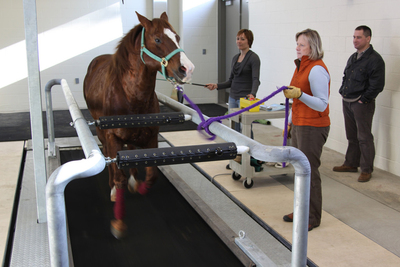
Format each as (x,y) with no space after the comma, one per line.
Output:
(163,61)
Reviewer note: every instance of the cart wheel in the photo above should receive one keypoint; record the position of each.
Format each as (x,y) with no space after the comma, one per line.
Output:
(236,176)
(248,185)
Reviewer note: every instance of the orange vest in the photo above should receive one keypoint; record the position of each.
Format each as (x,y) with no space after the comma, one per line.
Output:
(302,115)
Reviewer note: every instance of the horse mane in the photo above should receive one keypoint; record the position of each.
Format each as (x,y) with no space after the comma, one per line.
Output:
(126,46)
(120,59)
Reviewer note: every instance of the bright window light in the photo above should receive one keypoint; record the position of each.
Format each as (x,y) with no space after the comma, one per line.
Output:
(62,43)
(189,4)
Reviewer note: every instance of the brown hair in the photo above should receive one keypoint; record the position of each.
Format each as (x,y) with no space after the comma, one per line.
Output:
(248,34)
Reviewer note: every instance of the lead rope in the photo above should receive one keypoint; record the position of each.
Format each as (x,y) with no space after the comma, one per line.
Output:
(206,123)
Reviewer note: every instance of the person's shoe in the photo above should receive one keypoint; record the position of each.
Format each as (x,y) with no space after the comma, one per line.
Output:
(228,167)
(310,227)
(364,177)
(345,168)
(288,218)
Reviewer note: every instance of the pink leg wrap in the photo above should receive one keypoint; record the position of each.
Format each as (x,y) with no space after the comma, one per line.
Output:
(143,189)
(119,205)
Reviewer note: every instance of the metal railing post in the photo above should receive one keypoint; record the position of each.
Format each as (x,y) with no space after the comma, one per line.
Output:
(51,149)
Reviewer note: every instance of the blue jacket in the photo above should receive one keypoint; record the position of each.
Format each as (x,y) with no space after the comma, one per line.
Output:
(363,77)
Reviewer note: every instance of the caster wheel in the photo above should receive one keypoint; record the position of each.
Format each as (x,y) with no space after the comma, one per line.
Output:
(236,176)
(248,185)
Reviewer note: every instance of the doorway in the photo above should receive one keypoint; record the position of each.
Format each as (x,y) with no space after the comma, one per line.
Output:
(233,16)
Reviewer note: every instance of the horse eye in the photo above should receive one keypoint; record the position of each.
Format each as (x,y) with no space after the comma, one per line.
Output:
(158,41)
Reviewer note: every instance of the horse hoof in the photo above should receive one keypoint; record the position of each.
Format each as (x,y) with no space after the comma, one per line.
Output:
(131,184)
(118,229)
(113,194)
(141,188)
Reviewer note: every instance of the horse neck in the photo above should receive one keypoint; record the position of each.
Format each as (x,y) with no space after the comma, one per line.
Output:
(136,78)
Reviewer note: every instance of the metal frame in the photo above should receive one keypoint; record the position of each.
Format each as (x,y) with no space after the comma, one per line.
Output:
(35,106)
(92,165)
(95,163)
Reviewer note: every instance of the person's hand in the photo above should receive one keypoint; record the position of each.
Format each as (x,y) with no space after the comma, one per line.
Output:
(211,86)
(250,97)
(289,128)
(292,92)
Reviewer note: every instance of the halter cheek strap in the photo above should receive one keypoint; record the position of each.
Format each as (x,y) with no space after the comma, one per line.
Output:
(163,61)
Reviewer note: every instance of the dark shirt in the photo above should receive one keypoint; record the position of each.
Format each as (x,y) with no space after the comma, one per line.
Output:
(364,78)
(245,76)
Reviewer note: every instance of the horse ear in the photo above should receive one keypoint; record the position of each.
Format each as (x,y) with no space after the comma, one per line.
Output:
(164,16)
(143,20)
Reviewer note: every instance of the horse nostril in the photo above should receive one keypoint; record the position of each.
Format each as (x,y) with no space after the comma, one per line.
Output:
(182,70)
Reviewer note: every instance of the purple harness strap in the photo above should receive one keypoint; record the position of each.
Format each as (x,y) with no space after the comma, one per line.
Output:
(206,123)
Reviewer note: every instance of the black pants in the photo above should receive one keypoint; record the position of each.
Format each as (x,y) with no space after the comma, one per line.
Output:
(310,140)
(358,123)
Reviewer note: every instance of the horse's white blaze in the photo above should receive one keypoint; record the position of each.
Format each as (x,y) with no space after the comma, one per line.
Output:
(185,62)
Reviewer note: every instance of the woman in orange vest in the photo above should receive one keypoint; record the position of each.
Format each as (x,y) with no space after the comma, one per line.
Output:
(309,121)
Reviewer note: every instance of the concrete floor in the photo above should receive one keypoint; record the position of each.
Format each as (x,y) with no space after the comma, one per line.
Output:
(359,222)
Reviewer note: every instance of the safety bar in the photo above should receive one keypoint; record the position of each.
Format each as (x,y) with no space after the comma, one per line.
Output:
(175,155)
(141,120)
(269,154)
(92,165)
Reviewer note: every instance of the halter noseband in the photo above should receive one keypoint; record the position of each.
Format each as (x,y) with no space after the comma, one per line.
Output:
(163,61)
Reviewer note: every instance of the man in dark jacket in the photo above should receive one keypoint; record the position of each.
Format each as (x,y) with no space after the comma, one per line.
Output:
(363,80)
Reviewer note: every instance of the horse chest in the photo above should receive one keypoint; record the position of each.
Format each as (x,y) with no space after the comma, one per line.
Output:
(138,136)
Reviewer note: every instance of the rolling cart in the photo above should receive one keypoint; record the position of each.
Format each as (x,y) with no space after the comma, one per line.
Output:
(245,169)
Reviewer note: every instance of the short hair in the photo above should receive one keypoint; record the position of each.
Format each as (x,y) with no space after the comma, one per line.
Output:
(315,42)
(248,34)
(366,30)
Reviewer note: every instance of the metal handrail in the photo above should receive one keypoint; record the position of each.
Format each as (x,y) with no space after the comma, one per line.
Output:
(92,165)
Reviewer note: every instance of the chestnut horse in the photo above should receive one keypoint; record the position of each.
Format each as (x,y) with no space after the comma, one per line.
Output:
(123,84)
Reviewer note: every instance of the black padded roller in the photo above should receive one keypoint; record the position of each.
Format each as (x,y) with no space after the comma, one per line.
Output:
(175,155)
(140,120)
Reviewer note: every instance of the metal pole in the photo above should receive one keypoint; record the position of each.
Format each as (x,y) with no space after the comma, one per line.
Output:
(269,154)
(35,103)
(51,149)
(57,223)
(92,165)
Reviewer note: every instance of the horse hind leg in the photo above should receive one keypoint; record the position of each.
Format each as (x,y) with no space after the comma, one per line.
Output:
(151,176)
(132,182)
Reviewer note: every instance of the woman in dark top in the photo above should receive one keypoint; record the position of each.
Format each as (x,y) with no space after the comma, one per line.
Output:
(245,72)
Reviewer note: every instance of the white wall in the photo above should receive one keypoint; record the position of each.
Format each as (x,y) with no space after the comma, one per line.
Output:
(275,24)
(200,31)
(72,33)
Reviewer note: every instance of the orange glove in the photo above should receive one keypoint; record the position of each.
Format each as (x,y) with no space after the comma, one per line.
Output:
(289,128)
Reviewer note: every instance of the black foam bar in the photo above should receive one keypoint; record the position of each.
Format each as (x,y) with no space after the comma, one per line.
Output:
(140,120)
(175,155)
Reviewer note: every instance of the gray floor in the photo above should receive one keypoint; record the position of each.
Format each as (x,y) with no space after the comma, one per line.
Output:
(371,208)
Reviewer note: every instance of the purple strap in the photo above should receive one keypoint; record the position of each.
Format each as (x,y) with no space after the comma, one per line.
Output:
(205,124)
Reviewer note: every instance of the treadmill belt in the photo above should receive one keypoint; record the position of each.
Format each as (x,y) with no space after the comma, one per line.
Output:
(163,229)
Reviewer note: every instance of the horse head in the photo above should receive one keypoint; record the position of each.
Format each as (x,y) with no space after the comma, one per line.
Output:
(160,49)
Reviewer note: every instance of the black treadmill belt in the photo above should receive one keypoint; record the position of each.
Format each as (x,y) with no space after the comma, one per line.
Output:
(163,229)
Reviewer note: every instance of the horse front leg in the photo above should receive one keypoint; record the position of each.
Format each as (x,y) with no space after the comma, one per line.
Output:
(117,181)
